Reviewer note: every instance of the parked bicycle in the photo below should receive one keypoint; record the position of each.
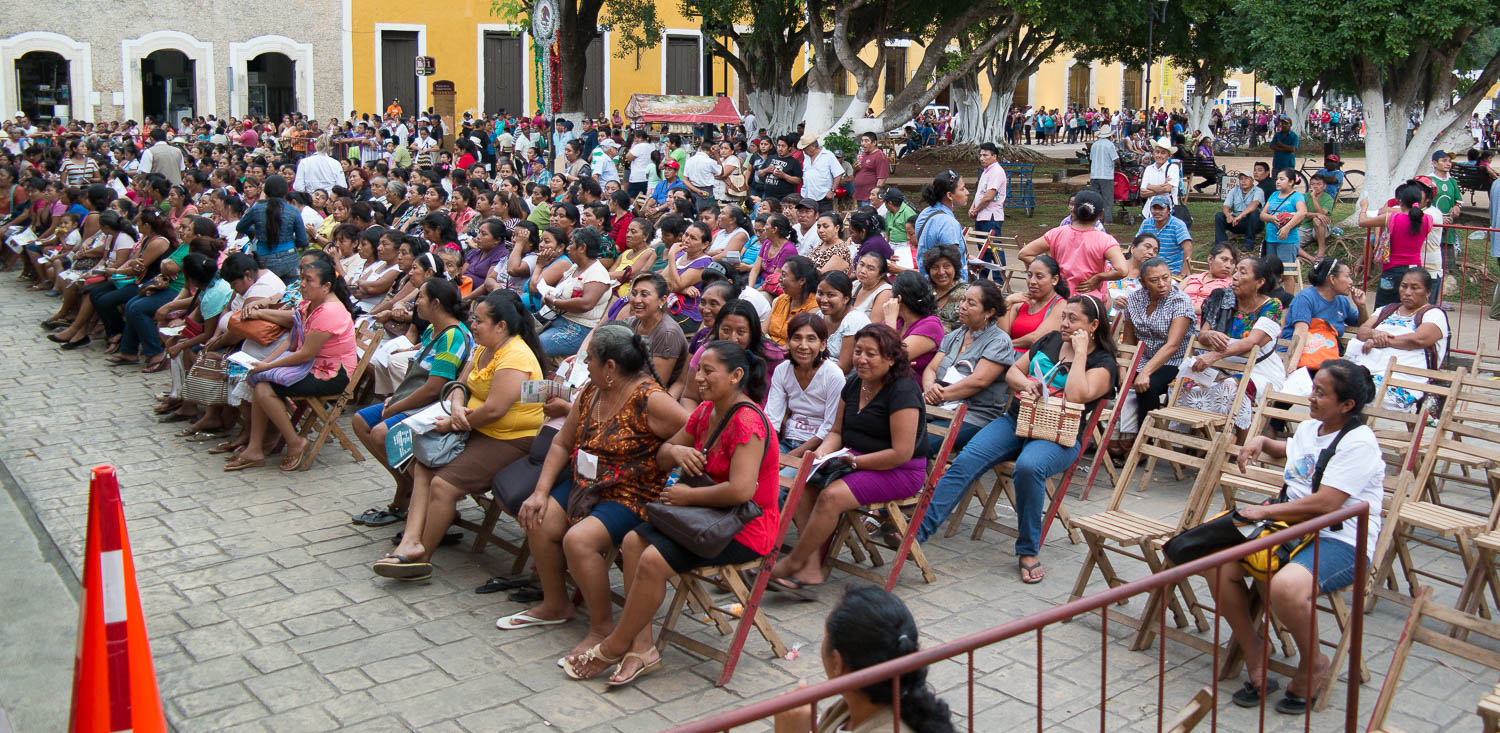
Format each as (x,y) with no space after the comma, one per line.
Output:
(1354,179)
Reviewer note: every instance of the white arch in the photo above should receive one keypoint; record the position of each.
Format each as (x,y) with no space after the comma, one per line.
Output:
(301,54)
(80,70)
(201,52)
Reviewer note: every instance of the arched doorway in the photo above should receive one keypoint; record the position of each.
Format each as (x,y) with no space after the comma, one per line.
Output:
(1078,85)
(169,86)
(43,84)
(272,85)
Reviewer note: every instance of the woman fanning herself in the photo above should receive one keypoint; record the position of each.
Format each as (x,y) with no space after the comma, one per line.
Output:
(911,312)
(599,474)
(804,396)
(867,627)
(500,430)
(1244,324)
(1075,362)
(1038,311)
(841,318)
(1352,471)
(318,363)
(741,466)
(883,424)
(799,284)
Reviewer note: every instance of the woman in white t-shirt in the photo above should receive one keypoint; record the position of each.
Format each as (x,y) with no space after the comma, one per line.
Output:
(1412,331)
(871,288)
(578,300)
(1354,472)
(843,320)
(803,399)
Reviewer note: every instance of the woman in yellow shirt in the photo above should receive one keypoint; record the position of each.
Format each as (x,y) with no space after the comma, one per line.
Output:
(500,430)
(799,286)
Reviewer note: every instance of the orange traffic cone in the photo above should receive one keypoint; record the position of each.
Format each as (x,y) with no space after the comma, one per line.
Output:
(114,682)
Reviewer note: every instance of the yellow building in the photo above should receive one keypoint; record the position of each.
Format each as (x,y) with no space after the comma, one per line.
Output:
(491,61)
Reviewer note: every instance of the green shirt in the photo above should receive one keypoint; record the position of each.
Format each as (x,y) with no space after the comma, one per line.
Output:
(895,223)
(1447,196)
(177,257)
(541,215)
(1325,202)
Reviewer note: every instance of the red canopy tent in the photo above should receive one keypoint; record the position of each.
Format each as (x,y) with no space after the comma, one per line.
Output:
(681,109)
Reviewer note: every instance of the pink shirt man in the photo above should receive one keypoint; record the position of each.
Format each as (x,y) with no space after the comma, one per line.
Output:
(992,177)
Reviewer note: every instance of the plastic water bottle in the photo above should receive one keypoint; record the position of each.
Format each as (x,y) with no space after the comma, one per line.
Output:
(674,476)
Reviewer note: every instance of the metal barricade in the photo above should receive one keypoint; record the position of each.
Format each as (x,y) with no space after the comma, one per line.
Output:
(892,670)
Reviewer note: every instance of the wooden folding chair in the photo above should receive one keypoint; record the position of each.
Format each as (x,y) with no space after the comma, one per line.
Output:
(1128,358)
(1476,404)
(690,586)
(323,413)
(1482,574)
(1417,519)
(1194,712)
(1424,608)
(484,531)
(851,529)
(1193,450)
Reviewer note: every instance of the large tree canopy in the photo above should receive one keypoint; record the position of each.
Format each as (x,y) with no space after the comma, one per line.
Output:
(1404,59)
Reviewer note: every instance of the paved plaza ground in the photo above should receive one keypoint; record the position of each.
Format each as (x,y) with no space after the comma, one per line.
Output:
(264,615)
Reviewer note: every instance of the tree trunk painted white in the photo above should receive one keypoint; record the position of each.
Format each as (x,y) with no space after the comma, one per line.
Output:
(778,113)
(981,125)
(820,111)
(1299,103)
(1200,109)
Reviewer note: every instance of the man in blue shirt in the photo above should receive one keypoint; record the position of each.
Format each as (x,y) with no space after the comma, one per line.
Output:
(1333,166)
(1284,143)
(669,181)
(1169,231)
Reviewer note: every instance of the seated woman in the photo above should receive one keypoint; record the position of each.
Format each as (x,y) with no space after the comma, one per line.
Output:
(733,233)
(548,267)
(319,361)
(1198,285)
(108,299)
(275,230)
(209,300)
(1075,362)
(500,430)
(869,626)
(685,262)
(1160,318)
(116,241)
(970,367)
(883,424)
(1330,302)
(871,289)
(742,466)
(1243,322)
(251,286)
(943,266)
(378,277)
(803,402)
(1413,332)
(1354,472)
(779,246)
(396,310)
(840,317)
(867,233)
(716,294)
(141,334)
(599,474)
(1142,248)
(1038,311)
(738,323)
(832,252)
(636,255)
(799,287)
(579,299)
(444,346)
(910,313)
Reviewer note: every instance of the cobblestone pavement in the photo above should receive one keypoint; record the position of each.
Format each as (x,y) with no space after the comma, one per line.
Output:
(264,615)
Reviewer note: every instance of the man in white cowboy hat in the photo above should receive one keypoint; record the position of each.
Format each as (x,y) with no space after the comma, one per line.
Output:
(821,172)
(1102,157)
(1163,177)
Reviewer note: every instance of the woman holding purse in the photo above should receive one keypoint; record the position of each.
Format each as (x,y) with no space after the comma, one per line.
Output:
(1075,362)
(599,474)
(726,449)
(499,426)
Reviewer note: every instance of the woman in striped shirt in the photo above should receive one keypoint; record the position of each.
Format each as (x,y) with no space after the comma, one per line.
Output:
(78,169)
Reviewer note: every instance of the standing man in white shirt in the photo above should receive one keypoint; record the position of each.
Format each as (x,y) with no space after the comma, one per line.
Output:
(821,173)
(603,161)
(1163,177)
(319,171)
(699,174)
(1102,157)
(638,158)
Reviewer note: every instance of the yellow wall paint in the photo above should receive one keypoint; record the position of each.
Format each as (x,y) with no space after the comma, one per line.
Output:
(454,36)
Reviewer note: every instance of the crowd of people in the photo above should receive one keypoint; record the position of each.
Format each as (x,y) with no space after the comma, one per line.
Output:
(655,320)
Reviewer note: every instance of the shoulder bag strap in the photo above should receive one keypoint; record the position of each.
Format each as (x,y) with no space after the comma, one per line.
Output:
(1324,457)
(713,437)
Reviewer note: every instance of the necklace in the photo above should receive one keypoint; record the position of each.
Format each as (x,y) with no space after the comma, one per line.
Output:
(625,389)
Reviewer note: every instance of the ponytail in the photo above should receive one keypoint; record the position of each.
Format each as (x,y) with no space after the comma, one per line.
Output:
(1410,196)
(323,268)
(620,344)
(275,191)
(754,384)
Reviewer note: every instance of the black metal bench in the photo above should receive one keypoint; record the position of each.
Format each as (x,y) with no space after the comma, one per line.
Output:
(1203,168)
(1471,178)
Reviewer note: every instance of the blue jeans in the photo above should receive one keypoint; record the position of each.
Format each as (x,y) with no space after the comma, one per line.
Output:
(140,324)
(563,338)
(283,263)
(109,302)
(995,443)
